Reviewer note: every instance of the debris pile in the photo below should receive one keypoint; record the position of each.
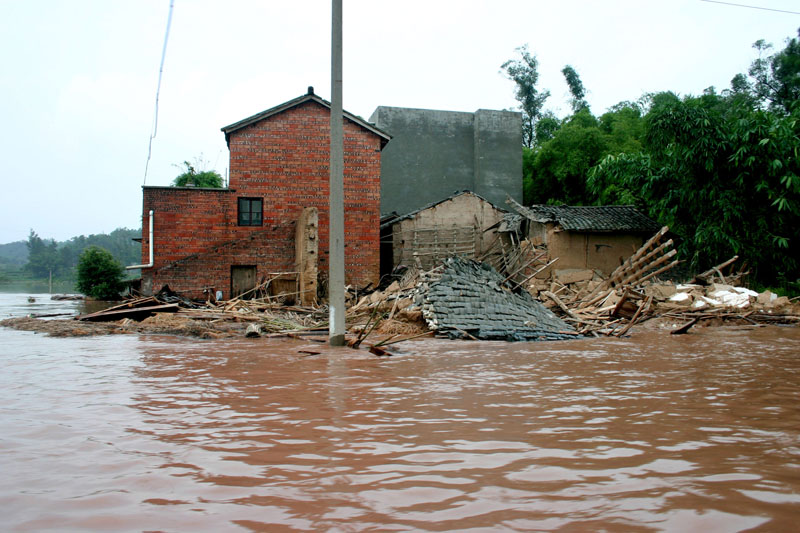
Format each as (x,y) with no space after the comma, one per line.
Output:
(510,293)
(632,294)
(472,300)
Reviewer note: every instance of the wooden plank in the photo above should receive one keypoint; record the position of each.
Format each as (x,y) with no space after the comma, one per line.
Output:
(141,312)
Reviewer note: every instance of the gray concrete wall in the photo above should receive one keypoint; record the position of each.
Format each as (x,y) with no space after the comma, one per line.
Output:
(433,154)
(498,155)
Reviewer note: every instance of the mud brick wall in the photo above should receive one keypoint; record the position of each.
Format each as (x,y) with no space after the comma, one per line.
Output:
(282,159)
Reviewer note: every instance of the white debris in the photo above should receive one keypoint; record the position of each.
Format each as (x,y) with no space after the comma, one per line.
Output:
(680,297)
(735,297)
(704,301)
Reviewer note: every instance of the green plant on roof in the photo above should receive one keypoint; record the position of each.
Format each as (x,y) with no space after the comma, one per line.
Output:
(192,177)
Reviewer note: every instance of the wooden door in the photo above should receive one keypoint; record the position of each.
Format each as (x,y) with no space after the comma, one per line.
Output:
(243,279)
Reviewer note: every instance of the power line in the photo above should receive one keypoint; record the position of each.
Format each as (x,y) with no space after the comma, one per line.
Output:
(158,91)
(752,7)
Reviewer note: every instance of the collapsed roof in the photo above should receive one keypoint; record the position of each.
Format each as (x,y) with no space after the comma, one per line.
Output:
(471,299)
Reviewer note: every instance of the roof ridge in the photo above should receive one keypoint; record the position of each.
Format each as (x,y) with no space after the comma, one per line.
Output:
(310,96)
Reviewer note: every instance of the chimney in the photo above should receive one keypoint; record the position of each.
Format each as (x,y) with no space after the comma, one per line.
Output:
(310,89)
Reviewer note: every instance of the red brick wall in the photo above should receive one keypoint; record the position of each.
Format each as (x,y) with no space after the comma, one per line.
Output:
(284,160)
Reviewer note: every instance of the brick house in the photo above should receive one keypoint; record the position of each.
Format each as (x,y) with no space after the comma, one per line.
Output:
(232,238)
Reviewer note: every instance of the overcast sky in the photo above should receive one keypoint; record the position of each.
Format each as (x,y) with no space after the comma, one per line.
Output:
(78,79)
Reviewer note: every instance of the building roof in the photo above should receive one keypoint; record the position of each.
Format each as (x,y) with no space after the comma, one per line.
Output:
(590,218)
(308,97)
(391,218)
(472,297)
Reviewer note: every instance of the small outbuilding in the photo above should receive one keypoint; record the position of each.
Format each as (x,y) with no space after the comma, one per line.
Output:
(463,224)
(586,237)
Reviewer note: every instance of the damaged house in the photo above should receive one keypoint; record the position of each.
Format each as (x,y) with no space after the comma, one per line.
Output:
(442,178)
(268,229)
(463,224)
(232,239)
(585,237)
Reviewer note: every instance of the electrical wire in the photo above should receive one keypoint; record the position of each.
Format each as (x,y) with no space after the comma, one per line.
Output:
(158,91)
(751,7)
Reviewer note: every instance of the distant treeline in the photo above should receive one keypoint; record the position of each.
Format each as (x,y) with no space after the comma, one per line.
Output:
(721,169)
(39,258)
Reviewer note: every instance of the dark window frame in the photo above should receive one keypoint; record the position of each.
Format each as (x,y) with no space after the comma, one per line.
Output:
(246,215)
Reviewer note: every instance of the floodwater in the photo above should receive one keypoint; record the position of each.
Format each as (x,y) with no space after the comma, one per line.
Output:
(699,432)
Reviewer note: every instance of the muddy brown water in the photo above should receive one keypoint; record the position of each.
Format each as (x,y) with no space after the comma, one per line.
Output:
(699,432)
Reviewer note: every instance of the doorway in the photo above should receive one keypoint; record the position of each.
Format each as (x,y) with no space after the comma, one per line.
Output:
(243,279)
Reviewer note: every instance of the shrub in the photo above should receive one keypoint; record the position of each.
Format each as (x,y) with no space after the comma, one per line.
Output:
(202,178)
(99,274)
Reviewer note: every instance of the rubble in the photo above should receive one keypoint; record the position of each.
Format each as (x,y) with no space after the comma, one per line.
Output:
(472,300)
(512,292)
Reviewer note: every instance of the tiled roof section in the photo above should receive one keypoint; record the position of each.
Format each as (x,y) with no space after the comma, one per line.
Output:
(472,297)
(592,218)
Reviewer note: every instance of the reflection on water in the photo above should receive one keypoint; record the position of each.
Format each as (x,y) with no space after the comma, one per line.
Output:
(14,305)
(698,432)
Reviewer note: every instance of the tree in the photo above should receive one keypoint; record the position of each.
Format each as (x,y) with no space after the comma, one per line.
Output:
(192,177)
(560,165)
(99,274)
(43,258)
(524,72)
(546,127)
(555,171)
(576,89)
(774,80)
(723,174)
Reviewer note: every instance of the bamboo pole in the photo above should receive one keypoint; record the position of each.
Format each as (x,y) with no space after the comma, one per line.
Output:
(634,276)
(615,276)
(660,270)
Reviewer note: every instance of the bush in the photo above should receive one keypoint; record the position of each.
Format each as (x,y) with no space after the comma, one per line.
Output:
(99,274)
(195,178)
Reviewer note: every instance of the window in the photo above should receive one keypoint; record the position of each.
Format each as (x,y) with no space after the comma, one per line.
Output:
(249,211)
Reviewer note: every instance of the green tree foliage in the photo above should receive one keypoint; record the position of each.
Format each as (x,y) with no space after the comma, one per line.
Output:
(61,258)
(576,89)
(555,171)
(524,72)
(774,80)
(623,127)
(43,259)
(721,169)
(99,274)
(197,178)
(546,127)
(560,165)
(14,254)
(722,173)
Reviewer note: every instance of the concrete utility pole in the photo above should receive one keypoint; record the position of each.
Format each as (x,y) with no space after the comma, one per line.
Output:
(336,184)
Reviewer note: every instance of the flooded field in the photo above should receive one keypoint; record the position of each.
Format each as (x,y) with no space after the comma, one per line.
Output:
(699,432)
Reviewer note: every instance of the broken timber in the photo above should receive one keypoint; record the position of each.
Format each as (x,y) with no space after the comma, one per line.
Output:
(136,313)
